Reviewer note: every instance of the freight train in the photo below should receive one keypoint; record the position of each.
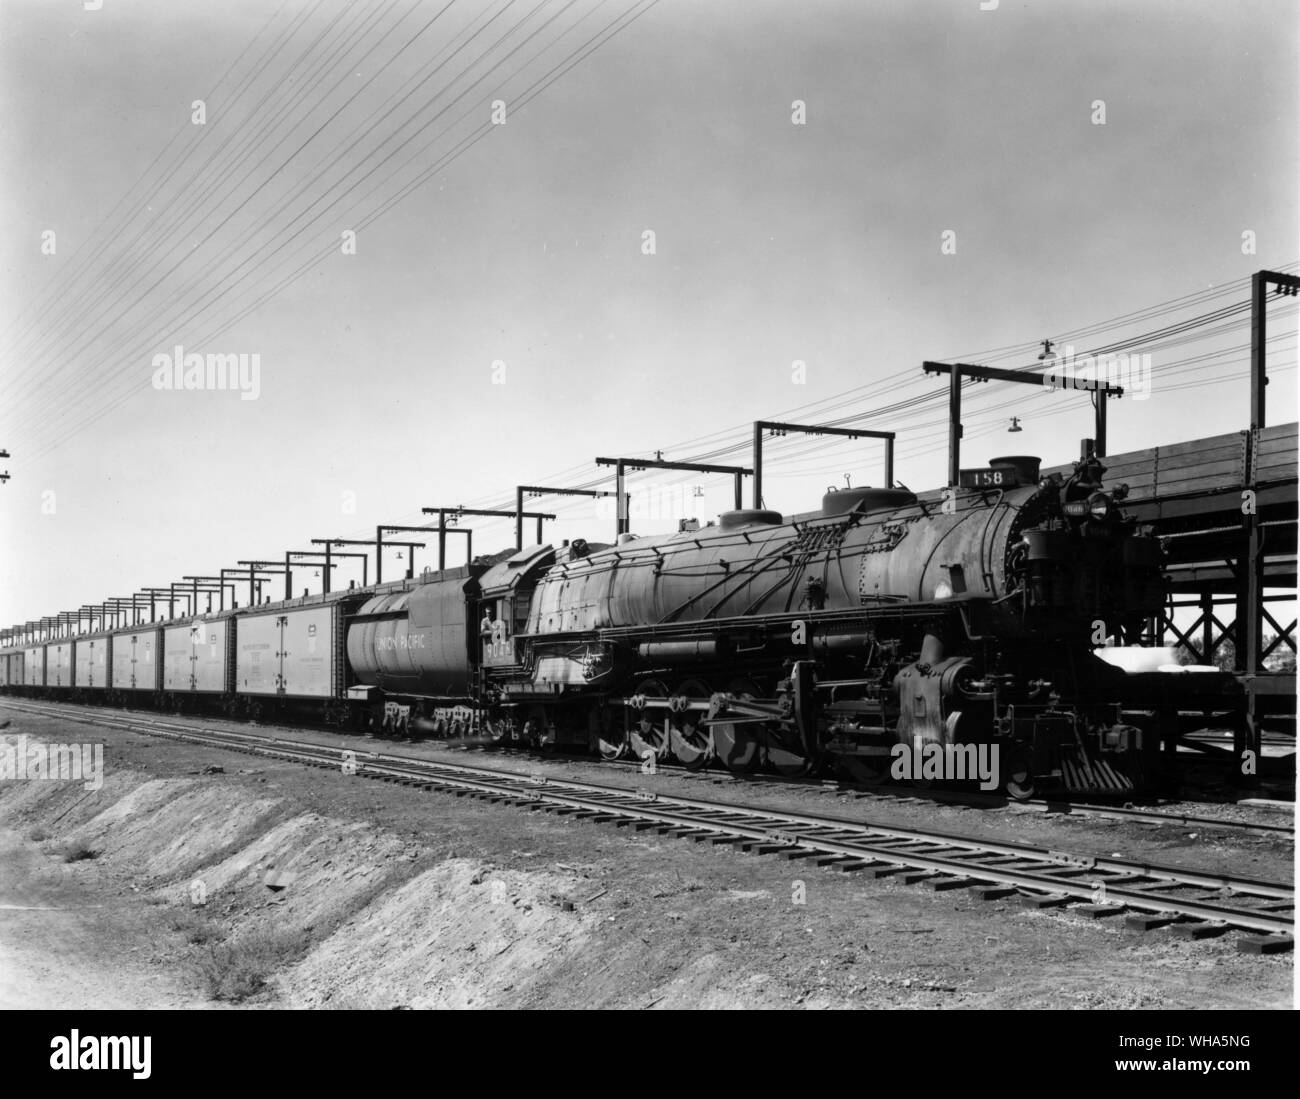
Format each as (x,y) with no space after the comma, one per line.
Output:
(883,625)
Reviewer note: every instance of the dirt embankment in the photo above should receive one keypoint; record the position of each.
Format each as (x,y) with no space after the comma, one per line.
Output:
(266,885)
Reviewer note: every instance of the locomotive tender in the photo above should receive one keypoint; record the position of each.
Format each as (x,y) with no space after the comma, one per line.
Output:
(881,624)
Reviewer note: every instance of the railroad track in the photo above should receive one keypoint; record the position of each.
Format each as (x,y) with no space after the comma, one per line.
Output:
(976,800)
(1189,903)
(901,794)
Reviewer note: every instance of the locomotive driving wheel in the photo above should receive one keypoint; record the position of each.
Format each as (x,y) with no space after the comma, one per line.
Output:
(605,734)
(692,742)
(649,733)
(785,751)
(737,742)
(784,747)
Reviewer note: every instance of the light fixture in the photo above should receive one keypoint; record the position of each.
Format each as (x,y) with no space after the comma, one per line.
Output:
(1015,425)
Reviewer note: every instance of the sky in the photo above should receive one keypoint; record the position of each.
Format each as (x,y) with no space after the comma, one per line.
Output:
(478,244)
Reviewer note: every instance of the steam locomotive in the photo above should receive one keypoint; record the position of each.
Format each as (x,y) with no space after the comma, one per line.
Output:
(884,625)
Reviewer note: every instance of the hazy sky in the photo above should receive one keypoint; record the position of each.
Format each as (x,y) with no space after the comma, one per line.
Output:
(504,322)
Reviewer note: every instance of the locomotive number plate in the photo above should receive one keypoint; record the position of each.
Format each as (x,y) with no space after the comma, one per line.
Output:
(990,477)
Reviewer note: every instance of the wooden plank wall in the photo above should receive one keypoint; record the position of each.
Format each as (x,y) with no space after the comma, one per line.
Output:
(1207,465)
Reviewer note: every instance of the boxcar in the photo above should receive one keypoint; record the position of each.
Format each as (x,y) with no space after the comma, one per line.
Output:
(292,651)
(34,666)
(196,655)
(59,668)
(135,659)
(90,662)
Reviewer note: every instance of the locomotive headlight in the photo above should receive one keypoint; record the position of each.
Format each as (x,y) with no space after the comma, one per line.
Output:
(1099,505)
(943,590)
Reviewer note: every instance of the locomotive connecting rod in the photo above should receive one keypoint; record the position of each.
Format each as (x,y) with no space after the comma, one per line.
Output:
(623,466)
(777,428)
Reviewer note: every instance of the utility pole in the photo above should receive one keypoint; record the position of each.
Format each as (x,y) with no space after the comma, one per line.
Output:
(958,371)
(518,515)
(256,571)
(543,490)
(1260,281)
(331,552)
(1251,579)
(777,428)
(325,584)
(624,466)
(221,584)
(410,548)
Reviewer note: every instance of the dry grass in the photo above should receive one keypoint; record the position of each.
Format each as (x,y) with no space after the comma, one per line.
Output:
(197,928)
(234,971)
(79,852)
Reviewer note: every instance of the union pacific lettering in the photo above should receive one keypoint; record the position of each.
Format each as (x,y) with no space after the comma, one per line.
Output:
(401,641)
